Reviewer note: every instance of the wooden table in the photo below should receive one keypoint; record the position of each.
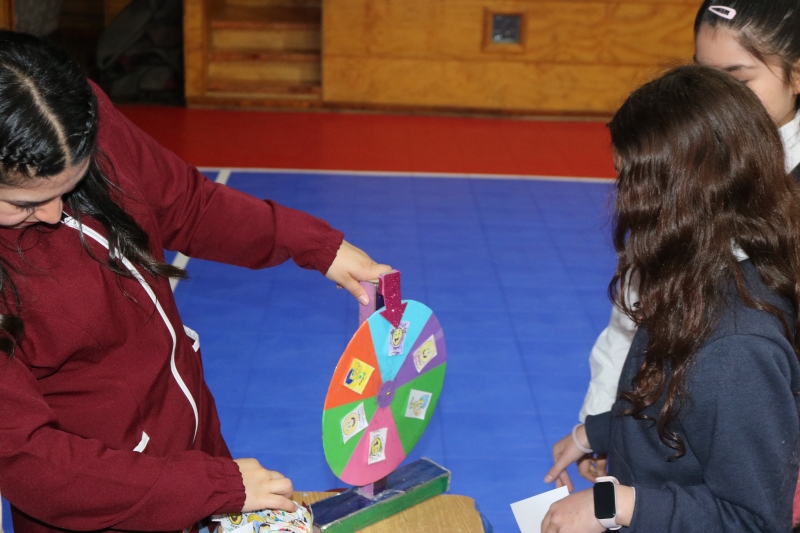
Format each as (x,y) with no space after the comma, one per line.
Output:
(445,513)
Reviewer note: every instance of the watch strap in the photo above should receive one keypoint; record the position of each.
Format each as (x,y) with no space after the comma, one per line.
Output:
(609,523)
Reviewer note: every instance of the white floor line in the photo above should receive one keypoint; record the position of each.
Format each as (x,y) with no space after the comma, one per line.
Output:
(181,260)
(384,174)
(222,177)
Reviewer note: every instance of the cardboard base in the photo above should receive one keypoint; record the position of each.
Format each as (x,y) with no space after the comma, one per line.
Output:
(353,510)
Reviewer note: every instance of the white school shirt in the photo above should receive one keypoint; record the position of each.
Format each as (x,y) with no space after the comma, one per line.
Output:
(790,135)
(611,347)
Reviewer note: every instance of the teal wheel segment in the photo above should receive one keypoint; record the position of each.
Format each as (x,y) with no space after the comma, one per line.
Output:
(392,345)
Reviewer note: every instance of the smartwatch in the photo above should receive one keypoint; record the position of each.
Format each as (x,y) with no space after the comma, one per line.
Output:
(605,502)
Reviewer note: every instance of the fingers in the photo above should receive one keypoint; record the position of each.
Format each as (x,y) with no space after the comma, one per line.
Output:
(587,468)
(565,481)
(546,523)
(265,489)
(272,494)
(354,287)
(276,502)
(281,486)
(600,465)
(558,468)
(564,453)
(558,449)
(276,494)
(592,467)
(351,266)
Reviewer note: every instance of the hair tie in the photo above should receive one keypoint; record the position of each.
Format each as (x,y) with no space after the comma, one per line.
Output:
(578,444)
(724,12)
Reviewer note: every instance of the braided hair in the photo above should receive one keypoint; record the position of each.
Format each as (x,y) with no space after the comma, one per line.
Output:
(49,123)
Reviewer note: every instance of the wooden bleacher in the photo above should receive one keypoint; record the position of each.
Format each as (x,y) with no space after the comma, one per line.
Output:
(253,52)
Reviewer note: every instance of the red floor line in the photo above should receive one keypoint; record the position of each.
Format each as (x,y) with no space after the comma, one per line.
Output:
(376,142)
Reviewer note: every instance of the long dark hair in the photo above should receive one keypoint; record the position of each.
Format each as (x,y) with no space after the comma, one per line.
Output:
(700,170)
(768,29)
(48,123)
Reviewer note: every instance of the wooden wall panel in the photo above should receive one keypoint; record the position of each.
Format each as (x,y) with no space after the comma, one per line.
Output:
(195,46)
(515,86)
(266,71)
(296,40)
(7,14)
(579,56)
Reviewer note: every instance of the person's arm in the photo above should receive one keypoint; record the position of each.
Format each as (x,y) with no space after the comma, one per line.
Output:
(742,425)
(207,220)
(79,484)
(576,511)
(204,219)
(605,361)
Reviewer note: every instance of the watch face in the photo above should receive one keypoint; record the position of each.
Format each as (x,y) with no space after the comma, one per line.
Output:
(605,500)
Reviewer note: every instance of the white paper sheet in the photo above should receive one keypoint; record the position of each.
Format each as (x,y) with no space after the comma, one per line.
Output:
(530,512)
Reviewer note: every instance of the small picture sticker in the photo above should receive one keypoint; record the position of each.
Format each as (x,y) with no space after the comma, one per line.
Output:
(354,422)
(424,353)
(418,402)
(397,338)
(377,446)
(358,376)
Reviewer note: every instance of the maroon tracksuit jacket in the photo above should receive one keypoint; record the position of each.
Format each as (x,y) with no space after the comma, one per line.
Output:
(92,380)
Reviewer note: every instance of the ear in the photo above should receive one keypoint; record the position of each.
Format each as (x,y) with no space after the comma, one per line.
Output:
(795,79)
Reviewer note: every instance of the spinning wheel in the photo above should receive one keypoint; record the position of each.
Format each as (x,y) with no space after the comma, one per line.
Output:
(383,394)
(380,400)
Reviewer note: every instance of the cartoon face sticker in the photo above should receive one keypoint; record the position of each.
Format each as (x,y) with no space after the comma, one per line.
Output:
(424,354)
(397,338)
(377,446)
(354,422)
(418,403)
(358,376)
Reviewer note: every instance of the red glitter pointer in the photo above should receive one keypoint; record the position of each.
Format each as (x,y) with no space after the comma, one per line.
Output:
(389,287)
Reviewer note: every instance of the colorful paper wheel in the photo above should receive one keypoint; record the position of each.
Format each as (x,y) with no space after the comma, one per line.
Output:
(383,394)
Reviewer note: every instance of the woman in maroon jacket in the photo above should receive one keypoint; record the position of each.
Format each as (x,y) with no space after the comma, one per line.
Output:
(105,419)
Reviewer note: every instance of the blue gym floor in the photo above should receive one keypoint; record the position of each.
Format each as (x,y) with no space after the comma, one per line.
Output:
(515,270)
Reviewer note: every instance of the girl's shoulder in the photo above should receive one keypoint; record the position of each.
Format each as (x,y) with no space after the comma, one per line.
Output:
(748,346)
(746,339)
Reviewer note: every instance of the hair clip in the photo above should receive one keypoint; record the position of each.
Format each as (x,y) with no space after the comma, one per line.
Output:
(722,11)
